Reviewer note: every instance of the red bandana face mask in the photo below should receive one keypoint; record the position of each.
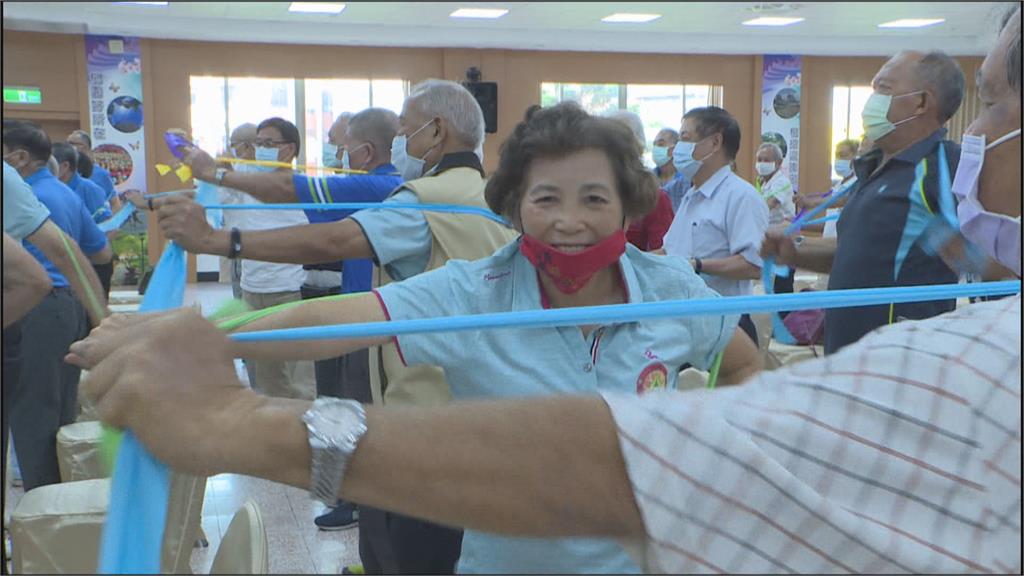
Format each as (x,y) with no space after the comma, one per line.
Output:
(572,271)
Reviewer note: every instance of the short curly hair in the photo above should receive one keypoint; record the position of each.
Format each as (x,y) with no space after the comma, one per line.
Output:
(562,130)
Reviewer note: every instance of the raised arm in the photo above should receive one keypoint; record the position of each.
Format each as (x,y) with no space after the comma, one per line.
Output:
(184,221)
(356,309)
(468,464)
(269,187)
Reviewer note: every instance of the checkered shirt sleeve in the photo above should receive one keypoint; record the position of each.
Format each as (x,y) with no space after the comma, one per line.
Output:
(900,453)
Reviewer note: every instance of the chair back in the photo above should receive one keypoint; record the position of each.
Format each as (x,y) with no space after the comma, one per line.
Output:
(243,550)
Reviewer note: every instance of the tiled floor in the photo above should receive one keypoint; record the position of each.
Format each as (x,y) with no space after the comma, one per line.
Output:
(296,546)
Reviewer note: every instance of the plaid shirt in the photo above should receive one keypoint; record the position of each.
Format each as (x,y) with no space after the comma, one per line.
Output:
(900,453)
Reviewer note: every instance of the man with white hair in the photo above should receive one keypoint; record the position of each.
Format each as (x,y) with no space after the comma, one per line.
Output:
(777,191)
(440,127)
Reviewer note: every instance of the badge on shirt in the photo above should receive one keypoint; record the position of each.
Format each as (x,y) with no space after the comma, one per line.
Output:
(653,377)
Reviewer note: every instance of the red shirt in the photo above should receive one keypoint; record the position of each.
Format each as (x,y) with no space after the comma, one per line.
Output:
(648,233)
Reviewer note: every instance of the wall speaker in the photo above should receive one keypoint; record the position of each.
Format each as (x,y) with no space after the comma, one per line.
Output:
(486,94)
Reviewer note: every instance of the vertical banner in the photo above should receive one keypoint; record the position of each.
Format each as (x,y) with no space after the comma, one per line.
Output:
(780,110)
(114,72)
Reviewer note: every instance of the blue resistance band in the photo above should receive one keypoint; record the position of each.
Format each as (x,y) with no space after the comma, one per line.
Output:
(619,313)
(117,220)
(140,488)
(769,270)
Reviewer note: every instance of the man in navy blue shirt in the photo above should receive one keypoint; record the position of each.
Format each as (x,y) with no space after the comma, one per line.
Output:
(101,176)
(366,146)
(46,395)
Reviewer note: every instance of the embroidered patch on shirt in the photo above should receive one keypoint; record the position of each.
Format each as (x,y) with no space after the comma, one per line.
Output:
(653,377)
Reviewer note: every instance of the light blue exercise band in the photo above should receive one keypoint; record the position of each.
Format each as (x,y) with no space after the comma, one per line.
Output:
(140,488)
(619,313)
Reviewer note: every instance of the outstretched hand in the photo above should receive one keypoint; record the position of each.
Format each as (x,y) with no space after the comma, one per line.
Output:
(170,379)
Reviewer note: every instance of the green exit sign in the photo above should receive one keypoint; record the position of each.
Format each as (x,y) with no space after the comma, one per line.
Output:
(22,95)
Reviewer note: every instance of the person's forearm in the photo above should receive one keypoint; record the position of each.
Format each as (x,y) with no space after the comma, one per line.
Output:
(734,267)
(816,254)
(741,360)
(73,265)
(358,309)
(475,465)
(305,244)
(267,187)
(25,282)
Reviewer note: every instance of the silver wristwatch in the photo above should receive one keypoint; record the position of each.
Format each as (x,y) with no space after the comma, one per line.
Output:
(335,427)
(218,176)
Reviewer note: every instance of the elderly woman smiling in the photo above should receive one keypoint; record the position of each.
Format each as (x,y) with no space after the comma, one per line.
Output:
(571,183)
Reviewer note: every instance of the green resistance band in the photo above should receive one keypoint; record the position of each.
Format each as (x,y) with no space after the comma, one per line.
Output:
(93,300)
(713,375)
(230,315)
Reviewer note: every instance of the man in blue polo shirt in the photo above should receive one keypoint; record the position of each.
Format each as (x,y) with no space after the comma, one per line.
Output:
(46,394)
(366,146)
(92,196)
(101,176)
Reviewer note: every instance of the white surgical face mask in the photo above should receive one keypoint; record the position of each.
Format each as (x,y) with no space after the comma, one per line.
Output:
(765,168)
(409,167)
(997,234)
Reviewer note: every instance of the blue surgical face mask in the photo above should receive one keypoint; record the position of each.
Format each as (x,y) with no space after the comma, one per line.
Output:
(683,160)
(843,167)
(410,168)
(265,155)
(660,155)
(330,158)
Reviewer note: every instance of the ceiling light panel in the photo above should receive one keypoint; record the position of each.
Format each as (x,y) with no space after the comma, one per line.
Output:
(912,23)
(627,17)
(479,13)
(316,7)
(143,3)
(772,21)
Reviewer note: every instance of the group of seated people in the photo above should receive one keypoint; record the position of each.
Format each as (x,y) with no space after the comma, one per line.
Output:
(560,460)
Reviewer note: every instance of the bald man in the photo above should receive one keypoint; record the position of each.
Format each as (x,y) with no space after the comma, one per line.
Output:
(898,186)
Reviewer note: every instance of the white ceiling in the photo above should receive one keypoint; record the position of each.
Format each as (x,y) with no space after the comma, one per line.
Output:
(830,28)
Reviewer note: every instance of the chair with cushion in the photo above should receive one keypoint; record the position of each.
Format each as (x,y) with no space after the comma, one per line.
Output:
(56,528)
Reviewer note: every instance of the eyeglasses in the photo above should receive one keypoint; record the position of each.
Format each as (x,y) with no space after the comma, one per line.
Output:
(270,143)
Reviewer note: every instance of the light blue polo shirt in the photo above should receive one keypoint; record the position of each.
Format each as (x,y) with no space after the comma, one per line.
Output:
(400,239)
(23,212)
(630,358)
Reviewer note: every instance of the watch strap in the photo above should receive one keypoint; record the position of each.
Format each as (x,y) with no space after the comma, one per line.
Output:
(335,427)
(236,243)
